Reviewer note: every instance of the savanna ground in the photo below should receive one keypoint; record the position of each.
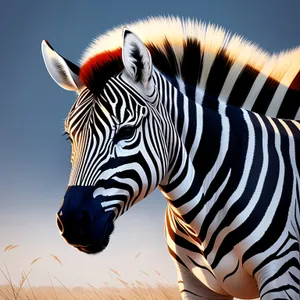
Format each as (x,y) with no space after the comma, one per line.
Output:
(138,290)
(92,293)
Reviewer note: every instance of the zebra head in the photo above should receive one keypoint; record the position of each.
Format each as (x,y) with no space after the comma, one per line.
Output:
(119,153)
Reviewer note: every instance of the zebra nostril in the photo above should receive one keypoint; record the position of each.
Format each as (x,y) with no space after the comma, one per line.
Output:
(85,220)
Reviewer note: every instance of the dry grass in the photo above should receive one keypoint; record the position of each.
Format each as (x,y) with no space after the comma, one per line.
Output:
(137,290)
(80,293)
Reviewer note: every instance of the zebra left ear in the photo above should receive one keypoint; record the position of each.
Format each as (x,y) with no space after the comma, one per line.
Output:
(63,72)
(136,58)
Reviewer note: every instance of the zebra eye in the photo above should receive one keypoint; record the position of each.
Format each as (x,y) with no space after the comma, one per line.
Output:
(125,133)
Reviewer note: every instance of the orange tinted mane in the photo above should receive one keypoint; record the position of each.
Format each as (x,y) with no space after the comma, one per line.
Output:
(97,70)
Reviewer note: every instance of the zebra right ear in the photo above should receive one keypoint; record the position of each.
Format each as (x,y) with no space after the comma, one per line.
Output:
(63,72)
(136,58)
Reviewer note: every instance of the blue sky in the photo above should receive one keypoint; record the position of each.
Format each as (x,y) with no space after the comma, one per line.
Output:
(34,157)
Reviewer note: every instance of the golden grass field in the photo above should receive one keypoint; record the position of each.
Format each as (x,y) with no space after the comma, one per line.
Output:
(92,293)
(138,290)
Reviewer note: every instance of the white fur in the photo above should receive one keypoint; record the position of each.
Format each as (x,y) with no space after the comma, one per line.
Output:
(63,76)
(283,66)
(131,41)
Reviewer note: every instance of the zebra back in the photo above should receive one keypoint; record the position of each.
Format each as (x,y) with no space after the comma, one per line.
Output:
(208,60)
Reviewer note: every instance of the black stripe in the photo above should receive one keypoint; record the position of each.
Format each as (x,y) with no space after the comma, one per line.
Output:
(239,140)
(217,76)
(296,134)
(293,262)
(180,241)
(209,146)
(291,101)
(190,92)
(282,288)
(171,186)
(191,62)
(257,214)
(179,227)
(238,129)
(242,86)
(298,200)
(294,278)
(175,84)
(233,272)
(180,118)
(192,127)
(119,91)
(201,267)
(155,163)
(166,61)
(191,215)
(273,232)
(274,256)
(190,194)
(187,291)
(216,183)
(177,258)
(80,116)
(171,58)
(210,102)
(290,298)
(265,96)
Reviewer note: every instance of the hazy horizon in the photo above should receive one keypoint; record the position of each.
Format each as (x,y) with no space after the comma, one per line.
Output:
(35,158)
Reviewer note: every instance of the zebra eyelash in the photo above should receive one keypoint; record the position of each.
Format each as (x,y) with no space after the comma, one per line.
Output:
(68,138)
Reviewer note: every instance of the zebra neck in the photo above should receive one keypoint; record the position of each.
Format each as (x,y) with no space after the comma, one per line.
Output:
(201,167)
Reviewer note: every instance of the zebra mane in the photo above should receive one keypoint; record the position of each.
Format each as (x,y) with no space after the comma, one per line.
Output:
(187,49)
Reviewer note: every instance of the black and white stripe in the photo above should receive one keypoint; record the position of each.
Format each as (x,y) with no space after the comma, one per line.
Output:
(118,133)
(219,137)
(235,199)
(231,178)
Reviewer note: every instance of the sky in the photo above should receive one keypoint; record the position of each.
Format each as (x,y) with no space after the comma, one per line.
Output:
(35,158)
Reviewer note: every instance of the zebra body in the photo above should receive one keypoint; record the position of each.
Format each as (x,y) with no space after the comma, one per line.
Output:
(223,232)
(230,175)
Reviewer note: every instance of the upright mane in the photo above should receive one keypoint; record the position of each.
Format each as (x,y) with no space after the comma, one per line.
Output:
(188,49)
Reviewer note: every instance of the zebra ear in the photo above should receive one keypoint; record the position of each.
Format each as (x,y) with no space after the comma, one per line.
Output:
(63,72)
(136,58)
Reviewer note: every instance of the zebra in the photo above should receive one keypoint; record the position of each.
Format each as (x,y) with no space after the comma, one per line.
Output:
(211,120)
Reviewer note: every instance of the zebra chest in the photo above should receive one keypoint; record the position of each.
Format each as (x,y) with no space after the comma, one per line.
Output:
(227,277)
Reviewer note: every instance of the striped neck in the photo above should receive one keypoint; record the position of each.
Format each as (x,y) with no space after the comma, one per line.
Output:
(200,167)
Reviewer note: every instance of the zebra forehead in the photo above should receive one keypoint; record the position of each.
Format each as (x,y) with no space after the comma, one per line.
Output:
(156,32)
(89,107)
